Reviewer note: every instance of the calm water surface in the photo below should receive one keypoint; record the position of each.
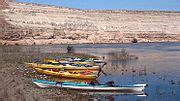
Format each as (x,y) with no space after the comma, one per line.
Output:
(158,65)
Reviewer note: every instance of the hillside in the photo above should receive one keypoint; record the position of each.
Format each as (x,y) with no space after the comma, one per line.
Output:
(33,24)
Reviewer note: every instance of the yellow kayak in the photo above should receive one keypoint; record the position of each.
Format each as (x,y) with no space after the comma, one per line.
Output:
(65,74)
(86,81)
(63,67)
(75,62)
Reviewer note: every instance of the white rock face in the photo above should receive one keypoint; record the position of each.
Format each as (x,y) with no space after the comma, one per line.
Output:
(37,24)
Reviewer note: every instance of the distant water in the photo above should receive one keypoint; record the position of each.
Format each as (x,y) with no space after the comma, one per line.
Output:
(158,65)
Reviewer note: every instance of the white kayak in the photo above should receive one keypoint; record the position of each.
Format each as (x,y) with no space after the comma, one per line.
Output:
(89,87)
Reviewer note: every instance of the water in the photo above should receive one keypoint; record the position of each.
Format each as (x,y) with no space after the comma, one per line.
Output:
(157,65)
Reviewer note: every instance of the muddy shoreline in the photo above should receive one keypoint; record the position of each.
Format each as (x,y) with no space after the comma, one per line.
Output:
(16,81)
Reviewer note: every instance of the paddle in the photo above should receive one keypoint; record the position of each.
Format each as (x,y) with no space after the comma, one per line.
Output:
(103,64)
(100,70)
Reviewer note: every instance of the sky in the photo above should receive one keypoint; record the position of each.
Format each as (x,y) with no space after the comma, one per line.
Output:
(160,5)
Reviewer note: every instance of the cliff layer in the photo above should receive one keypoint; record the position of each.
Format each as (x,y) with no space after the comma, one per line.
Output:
(34,24)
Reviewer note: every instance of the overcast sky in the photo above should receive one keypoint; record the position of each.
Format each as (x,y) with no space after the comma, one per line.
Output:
(165,5)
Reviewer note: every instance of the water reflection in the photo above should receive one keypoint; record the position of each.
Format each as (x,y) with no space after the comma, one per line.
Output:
(120,60)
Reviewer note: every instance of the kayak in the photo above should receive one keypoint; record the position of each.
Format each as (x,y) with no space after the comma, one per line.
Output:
(73,80)
(75,61)
(66,74)
(83,86)
(89,87)
(64,66)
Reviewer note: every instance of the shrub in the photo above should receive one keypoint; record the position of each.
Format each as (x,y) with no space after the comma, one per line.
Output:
(70,49)
(134,40)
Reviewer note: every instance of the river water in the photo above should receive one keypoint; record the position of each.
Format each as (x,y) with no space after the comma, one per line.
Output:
(158,65)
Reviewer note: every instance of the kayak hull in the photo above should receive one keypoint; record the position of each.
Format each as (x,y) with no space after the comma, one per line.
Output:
(65,74)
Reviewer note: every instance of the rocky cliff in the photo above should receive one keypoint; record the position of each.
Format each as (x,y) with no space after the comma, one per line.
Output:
(33,24)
